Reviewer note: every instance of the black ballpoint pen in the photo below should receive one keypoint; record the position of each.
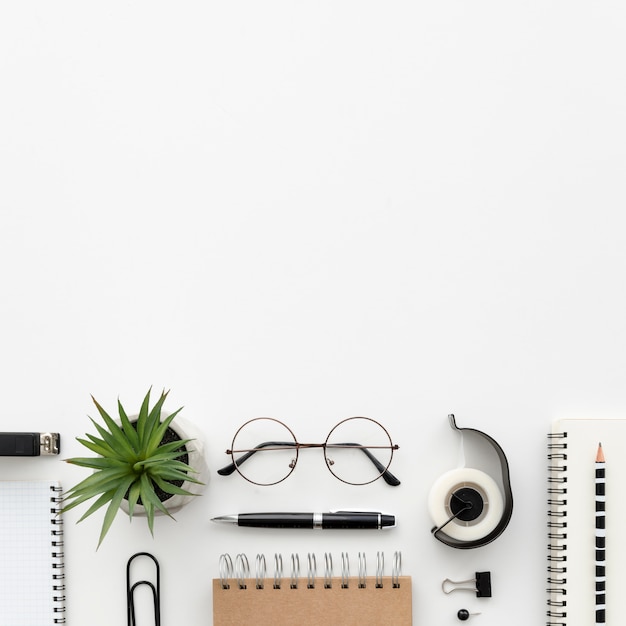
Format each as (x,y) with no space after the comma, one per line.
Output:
(334,519)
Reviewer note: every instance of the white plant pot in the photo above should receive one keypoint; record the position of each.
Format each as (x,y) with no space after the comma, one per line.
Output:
(195,449)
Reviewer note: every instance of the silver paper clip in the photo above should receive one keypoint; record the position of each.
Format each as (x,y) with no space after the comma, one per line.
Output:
(154,588)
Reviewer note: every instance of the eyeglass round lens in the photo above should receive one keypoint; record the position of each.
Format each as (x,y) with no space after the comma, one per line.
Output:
(358,450)
(264,451)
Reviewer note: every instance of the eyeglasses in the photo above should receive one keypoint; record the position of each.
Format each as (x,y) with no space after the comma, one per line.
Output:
(357,451)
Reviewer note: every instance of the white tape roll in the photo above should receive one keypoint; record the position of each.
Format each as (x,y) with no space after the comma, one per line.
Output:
(442,503)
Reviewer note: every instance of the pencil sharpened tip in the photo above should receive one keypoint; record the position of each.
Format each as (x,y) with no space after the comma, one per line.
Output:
(600,454)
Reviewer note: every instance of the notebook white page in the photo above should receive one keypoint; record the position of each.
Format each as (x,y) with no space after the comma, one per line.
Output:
(29,560)
(578,506)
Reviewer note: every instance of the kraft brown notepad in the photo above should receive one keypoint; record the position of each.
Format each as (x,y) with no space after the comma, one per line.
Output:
(311,601)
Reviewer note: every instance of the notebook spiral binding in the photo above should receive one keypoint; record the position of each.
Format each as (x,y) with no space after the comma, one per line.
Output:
(557,529)
(58,576)
(238,571)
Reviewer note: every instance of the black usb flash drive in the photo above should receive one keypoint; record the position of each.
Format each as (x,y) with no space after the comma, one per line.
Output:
(29,444)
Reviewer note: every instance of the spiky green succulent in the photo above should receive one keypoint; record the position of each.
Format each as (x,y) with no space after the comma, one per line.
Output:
(132,462)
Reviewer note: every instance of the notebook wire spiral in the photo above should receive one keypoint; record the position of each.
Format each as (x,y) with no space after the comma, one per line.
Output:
(58,555)
(557,529)
(238,571)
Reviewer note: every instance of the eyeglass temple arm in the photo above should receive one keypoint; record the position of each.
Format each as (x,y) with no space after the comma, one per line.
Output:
(388,477)
(231,467)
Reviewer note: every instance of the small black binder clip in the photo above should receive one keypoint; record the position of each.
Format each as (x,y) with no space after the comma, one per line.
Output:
(481,585)
(154,587)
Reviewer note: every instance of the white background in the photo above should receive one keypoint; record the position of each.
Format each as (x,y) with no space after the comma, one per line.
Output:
(312,210)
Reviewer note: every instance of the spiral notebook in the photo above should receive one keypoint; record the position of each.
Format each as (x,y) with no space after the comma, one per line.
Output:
(576,586)
(280,594)
(31,554)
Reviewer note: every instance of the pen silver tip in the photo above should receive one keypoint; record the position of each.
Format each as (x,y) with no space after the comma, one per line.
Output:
(225,519)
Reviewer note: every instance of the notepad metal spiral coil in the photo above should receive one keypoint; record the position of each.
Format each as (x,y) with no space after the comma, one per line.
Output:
(58,576)
(238,571)
(557,529)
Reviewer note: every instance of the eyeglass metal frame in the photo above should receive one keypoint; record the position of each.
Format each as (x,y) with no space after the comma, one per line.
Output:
(384,472)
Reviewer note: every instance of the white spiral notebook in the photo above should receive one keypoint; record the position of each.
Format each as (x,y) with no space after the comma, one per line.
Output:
(586,585)
(31,554)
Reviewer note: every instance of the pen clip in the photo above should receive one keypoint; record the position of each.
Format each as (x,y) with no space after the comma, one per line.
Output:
(385,520)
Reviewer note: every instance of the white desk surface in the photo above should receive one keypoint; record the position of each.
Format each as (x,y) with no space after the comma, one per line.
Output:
(312,212)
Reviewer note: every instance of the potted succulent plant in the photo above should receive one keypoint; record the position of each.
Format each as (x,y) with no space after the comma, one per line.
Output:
(143,465)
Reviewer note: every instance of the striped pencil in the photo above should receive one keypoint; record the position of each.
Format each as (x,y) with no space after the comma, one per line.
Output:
(600,538)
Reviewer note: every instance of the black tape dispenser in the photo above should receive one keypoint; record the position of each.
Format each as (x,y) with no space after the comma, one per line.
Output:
(468,507)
